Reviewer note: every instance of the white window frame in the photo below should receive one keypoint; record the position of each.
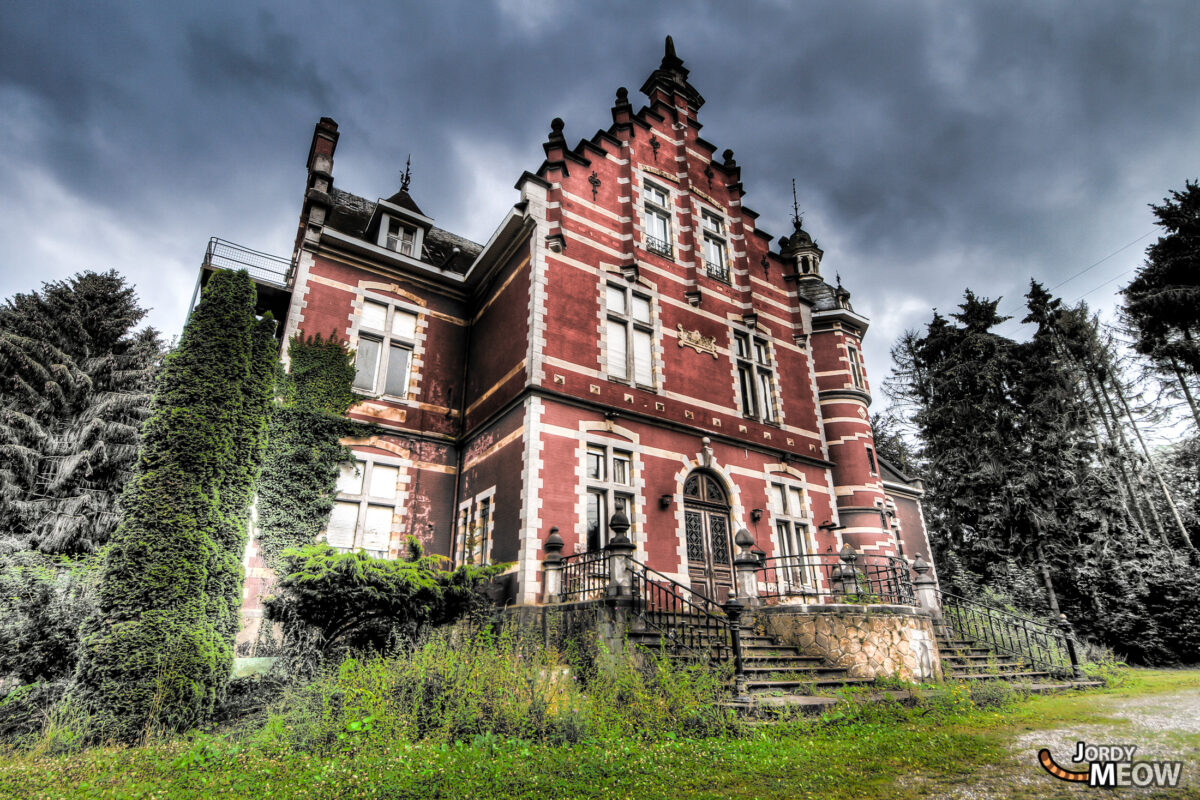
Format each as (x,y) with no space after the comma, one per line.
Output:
(792,527)
(386,338)
(756,362)
(856,367)
(661,210)
(478,514)
(385,230)
(632,326)
(713,241)
(604,490)
(364,467)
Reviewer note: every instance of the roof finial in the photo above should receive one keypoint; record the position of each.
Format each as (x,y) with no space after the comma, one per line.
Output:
(797,220)
(406,178)
(670,48)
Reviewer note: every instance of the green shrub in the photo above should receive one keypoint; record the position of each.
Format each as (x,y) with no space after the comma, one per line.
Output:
(158,650)
(330,603)
(43,601)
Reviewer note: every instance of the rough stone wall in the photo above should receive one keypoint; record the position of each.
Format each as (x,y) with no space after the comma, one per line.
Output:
(879,641)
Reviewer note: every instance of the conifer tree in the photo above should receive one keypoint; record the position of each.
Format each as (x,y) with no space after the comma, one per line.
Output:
(75,382)
(158,650)
(1162,303)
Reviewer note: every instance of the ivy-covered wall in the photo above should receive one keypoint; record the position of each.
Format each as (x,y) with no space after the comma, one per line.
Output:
(158,651)
(299,477)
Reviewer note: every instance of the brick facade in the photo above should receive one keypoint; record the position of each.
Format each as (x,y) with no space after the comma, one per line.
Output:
(579,334)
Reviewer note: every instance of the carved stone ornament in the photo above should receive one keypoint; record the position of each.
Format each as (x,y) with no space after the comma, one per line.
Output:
(694,340)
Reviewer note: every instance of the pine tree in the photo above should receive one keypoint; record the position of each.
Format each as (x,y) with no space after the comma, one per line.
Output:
(158,651)
(75,382)
(1162,303)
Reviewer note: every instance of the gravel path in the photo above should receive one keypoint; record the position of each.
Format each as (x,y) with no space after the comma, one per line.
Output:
(1163,727)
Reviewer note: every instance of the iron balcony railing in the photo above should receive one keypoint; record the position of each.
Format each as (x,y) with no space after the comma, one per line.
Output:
(836,578)
(584,576)
(262,267)
(659,246)
(1044,645)
(719,272)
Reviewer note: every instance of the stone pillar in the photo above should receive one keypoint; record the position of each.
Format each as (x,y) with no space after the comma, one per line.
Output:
(745,565)
(620,557)
(552,568)
(1064,625)
(926,589)
(844,577)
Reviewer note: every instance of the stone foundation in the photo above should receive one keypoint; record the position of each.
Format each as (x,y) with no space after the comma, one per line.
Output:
(876,641)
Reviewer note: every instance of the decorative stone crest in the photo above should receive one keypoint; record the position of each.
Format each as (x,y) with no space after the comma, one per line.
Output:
(696,341)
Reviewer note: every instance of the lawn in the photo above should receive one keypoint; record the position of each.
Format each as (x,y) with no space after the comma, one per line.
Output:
(856,751)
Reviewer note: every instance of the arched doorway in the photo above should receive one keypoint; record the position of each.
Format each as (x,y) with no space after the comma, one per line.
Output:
(706,531)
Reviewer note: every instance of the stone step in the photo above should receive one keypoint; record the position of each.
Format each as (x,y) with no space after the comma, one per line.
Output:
(1004,676)
(792,683)
(788,659)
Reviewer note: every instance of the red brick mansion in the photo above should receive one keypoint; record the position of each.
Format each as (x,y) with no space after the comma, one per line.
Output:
(627,340)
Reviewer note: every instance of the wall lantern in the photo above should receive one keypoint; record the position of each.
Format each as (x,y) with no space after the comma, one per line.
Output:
(664,502)
(756,515)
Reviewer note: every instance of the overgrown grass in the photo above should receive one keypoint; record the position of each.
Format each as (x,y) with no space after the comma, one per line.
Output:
(486,717)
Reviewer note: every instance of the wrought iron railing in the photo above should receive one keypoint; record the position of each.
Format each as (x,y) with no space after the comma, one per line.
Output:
(584,576)
(1045,646)
(688,623)
(659,246)
(717,271)
(261,266)
(836,578)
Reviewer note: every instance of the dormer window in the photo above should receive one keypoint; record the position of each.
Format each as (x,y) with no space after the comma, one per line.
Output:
(400,237)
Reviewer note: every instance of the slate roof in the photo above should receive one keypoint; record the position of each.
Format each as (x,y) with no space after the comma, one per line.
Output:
(351,214)
(820,293)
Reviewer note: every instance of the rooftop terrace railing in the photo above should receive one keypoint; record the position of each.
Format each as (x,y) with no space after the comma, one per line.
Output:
(262,267)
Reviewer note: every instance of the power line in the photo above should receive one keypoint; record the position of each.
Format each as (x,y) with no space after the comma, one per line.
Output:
(1122,248)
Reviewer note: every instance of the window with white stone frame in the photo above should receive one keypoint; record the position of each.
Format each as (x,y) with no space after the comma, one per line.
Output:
(856,368)
(476,524)
(608,475)
(383,357)
(630,335)
(657,224)
(715,263)
(368,500)
(789,512)
(756,376)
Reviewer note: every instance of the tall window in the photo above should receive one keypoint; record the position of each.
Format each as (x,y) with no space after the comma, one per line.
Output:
(385,343)
(658,219)
(856,370)
(609,475)
(630,335)
(475,523)
(871,462)
(368,494)
(753,357)
(400,237)
(791,529)
(714,246)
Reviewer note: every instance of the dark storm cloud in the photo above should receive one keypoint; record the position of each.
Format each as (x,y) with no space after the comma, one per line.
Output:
(936,145)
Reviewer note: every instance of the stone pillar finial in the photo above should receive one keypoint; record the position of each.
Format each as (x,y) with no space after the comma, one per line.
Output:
(745,565)
(620,557)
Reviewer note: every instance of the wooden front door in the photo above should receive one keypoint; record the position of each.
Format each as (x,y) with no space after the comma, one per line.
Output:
(706,529)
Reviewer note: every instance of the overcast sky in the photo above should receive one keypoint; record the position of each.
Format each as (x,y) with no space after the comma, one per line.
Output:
(936,145)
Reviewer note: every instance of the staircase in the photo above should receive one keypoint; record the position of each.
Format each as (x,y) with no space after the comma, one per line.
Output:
(769,667)
(969,659)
